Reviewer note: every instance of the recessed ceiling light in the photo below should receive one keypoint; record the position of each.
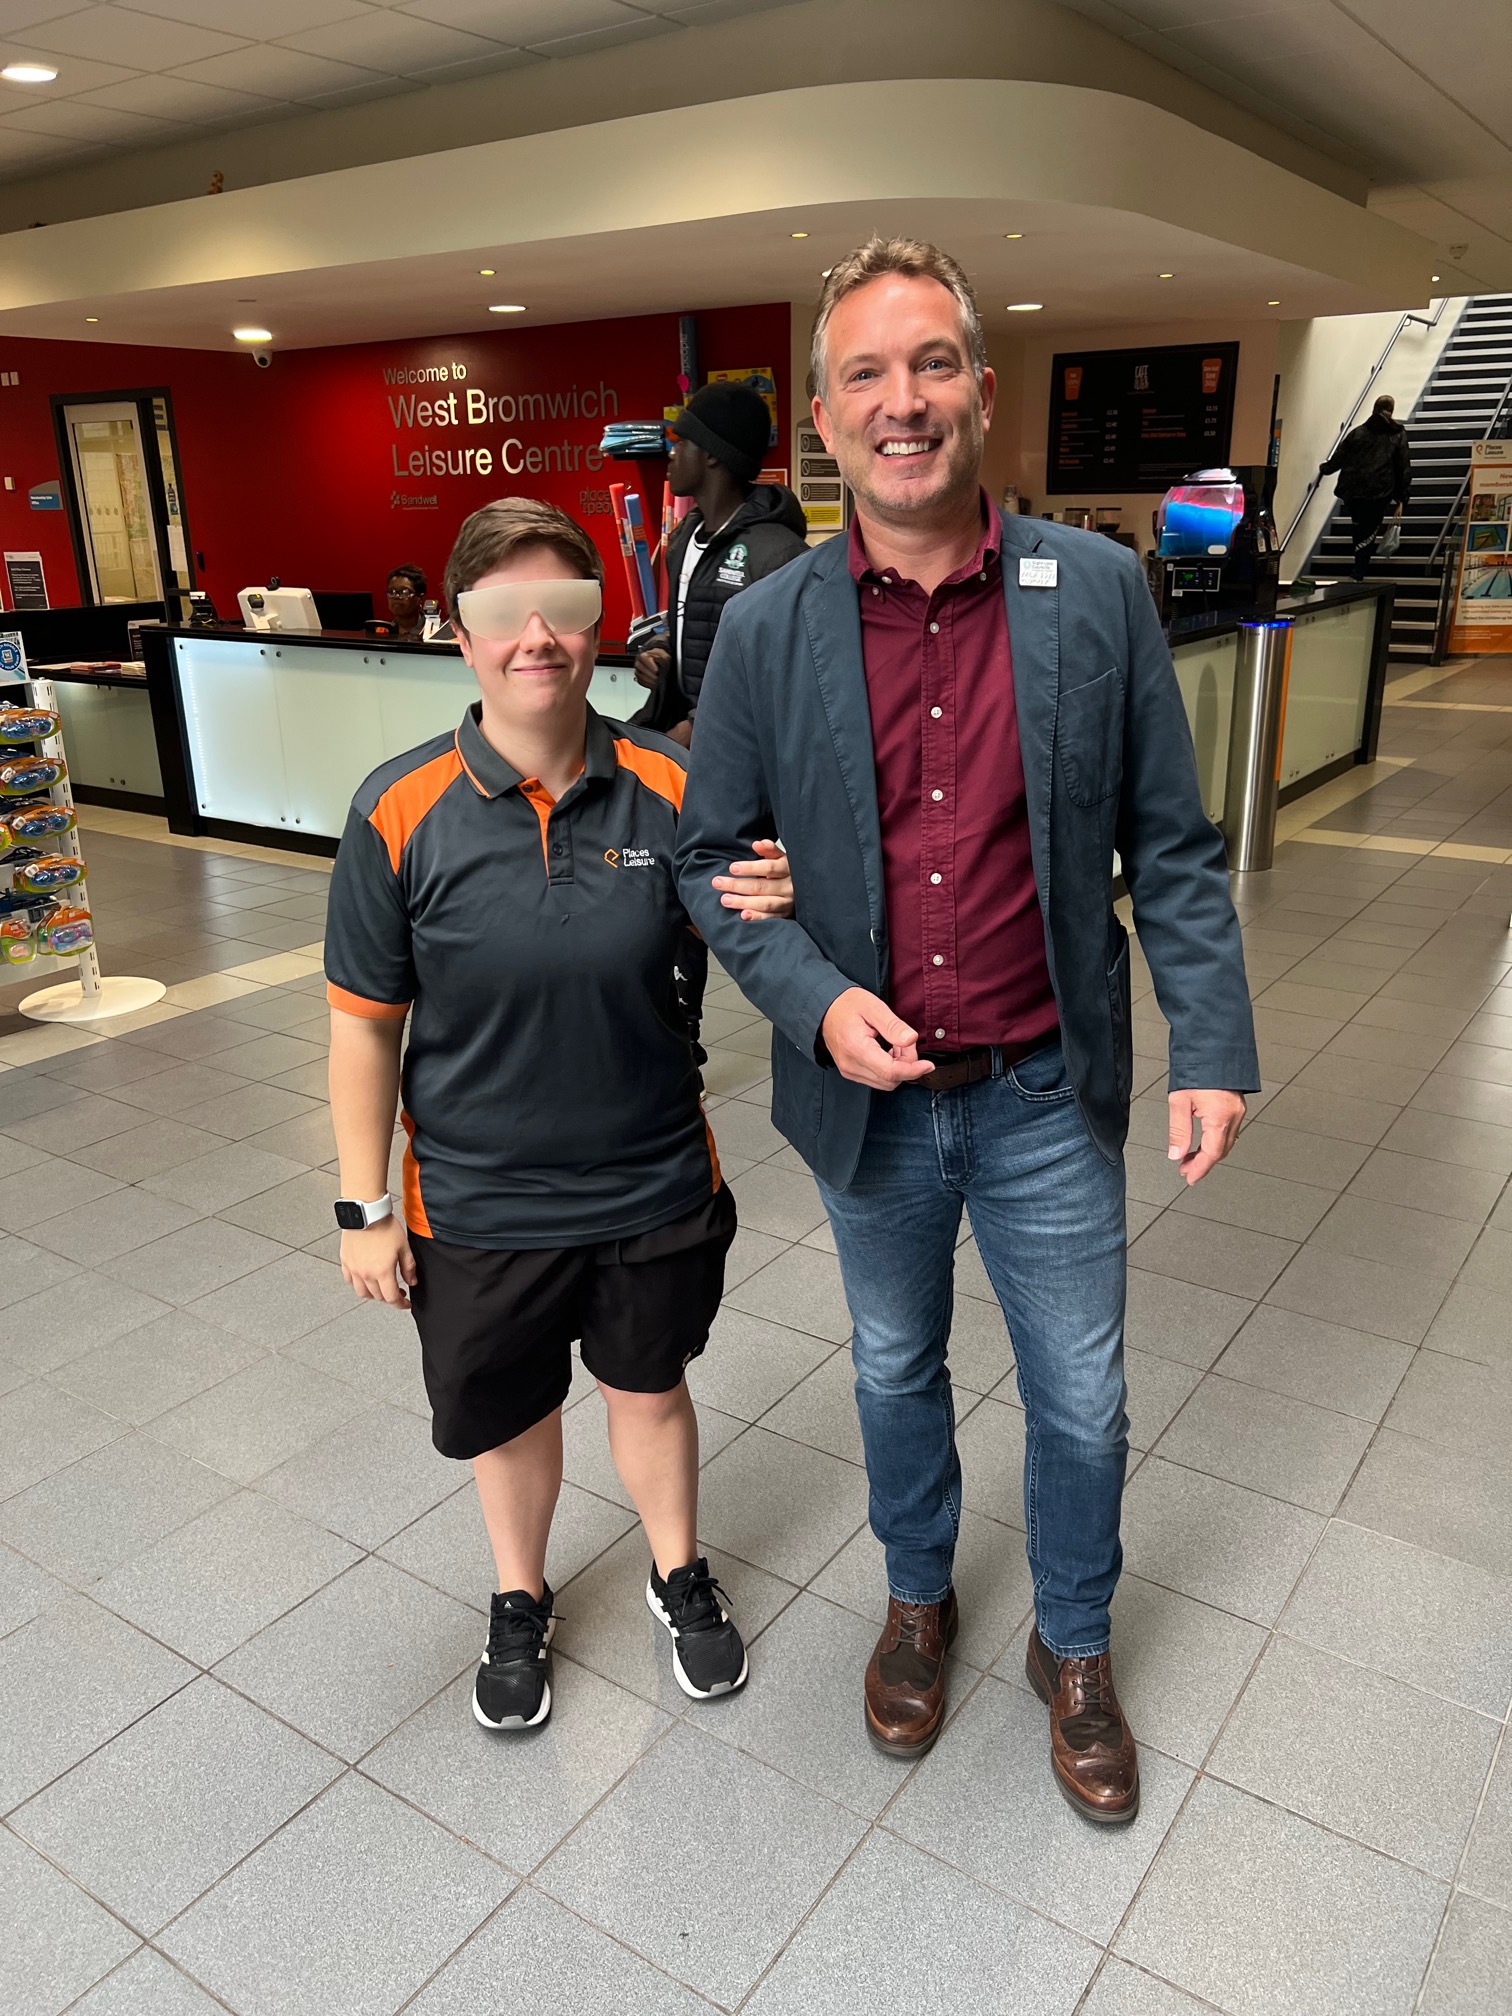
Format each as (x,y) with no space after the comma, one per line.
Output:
(488,272)
(1165,276)
(797,234)
(91,318)
(1013,234)
(825,272)
(1024,307)
(1433,276)
(1273,304)
(253,335)
(507,308)
(28,73)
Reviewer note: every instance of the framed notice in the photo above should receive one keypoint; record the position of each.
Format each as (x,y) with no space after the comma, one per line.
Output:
(1482,619)
(25,581)
(1125,420)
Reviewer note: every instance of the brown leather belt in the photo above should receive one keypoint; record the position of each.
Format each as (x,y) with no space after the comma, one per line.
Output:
(954,1068)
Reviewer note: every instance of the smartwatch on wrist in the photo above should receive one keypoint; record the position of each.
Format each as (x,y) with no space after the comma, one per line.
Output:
(352,1215)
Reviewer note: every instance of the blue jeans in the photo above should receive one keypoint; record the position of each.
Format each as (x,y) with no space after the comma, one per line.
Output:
(1048,1214)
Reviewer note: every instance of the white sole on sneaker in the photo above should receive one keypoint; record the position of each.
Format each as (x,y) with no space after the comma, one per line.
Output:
(519,1721)
(654,1605)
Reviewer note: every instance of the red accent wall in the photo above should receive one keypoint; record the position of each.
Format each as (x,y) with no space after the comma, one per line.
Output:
(291,471)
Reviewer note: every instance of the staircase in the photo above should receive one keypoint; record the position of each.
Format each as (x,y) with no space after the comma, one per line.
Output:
(1455,408)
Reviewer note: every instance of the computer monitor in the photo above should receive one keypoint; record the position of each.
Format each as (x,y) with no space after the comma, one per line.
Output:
(279,609)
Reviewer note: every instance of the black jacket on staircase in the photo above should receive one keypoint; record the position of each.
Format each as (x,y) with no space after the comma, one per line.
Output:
(1373,460)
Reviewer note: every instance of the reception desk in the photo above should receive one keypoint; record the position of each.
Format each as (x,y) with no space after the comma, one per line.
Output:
(265,737)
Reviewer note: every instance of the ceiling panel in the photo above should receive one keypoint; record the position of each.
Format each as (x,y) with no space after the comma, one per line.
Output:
(19,14)
(257,20)
(175,98)
(520,22)
(635,29)
(139,41)
(274,72)
(395,41)
(67,119)
(1465,49)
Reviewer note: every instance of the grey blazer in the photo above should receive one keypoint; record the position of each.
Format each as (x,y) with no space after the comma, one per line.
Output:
(783,745)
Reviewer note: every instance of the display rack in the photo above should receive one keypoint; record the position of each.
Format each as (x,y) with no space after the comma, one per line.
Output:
(90,996)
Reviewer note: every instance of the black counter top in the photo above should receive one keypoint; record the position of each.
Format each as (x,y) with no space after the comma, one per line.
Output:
(1333,594)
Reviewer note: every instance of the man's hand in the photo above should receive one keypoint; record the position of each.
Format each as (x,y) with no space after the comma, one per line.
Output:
(681,732)
(649,665)
(378,1262)
(758,889)
(1219,1115)
(869,1044)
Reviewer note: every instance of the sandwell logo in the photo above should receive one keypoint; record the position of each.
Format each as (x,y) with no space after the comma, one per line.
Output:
(405,500)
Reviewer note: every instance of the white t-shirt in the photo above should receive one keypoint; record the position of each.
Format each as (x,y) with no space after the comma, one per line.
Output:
(697,546)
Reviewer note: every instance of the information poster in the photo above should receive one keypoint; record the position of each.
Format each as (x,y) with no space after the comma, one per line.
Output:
(1482,618)
(1124,420)
(821,491)
(26,581)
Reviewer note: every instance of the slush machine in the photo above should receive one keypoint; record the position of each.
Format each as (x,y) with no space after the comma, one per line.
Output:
(1215,544)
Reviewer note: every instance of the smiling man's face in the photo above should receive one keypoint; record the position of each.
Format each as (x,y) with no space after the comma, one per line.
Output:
(902,411)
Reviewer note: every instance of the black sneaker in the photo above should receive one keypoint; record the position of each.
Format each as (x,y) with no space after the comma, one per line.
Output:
(513,1687)
(708,1653)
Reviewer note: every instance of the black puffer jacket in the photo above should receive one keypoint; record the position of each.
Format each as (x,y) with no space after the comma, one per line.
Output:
(1373,460)
(766,532)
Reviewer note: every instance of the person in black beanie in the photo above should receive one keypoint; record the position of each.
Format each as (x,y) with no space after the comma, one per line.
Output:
(739,531)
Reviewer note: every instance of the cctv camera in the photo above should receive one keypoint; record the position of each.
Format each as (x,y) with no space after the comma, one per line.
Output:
(262,359)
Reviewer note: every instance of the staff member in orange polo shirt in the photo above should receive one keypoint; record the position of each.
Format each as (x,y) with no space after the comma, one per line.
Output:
(508,889)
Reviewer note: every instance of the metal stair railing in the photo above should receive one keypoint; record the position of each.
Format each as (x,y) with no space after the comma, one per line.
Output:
(1428,322)
(1445,554)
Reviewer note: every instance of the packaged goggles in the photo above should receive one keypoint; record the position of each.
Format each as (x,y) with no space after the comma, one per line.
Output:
(36,822)
(21,776)
(503,613)
(66,930)
(48,874)
(17,944)
(26,724)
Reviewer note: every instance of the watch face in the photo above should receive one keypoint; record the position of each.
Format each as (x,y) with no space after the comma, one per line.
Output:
(349,1216)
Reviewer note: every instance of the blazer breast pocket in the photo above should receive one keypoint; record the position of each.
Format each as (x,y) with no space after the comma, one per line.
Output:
(1089,736)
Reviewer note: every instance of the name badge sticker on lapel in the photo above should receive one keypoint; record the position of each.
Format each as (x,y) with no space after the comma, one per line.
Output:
(1037,573)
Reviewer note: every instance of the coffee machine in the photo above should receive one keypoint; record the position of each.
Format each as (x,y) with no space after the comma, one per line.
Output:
(1216,545)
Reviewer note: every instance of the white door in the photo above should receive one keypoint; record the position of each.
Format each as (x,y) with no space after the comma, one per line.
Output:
(115,504)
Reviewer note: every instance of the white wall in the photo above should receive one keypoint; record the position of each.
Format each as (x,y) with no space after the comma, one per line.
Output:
(1323,365)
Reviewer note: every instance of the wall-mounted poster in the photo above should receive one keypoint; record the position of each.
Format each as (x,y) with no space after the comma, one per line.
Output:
(1125,420)
(27,583)
(1482,619)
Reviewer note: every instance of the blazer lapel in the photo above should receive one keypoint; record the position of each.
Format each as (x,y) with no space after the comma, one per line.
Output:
(1034,639)
(832,616)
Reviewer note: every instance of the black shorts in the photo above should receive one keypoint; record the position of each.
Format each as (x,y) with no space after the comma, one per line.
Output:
(497,1328)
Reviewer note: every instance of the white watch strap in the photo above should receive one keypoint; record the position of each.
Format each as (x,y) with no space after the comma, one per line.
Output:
(381,1208)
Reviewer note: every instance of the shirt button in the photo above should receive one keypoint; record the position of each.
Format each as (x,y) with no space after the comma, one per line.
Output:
(934,629)
(939,959)
(939,1032)
(935,713)
(937,796)
(937,878)
(983,575)
(876,591)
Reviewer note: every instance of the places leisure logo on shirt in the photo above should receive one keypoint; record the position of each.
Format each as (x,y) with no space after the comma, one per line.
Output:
(629,857)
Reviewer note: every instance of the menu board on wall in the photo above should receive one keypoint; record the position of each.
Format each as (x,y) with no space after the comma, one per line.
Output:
(1139,419)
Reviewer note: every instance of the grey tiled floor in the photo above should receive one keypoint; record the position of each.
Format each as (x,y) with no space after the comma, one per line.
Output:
(240,1596)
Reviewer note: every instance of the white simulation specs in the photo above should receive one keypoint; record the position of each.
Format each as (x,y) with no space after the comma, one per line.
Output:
(503,613)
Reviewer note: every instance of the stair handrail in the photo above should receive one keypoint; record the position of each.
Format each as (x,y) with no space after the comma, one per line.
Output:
(1446,571)
(1428,322)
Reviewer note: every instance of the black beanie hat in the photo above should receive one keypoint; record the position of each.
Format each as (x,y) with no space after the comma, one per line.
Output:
(730,422)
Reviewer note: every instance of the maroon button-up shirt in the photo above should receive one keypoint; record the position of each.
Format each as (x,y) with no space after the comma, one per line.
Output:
(963,919)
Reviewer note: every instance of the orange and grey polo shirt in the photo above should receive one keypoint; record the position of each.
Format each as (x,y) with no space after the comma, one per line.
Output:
(550,1092)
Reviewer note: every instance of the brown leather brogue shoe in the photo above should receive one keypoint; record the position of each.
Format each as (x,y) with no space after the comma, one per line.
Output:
(905,1676)
(1091,1744)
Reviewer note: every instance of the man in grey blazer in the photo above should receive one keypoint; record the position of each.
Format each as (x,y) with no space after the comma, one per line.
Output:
(954,719)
